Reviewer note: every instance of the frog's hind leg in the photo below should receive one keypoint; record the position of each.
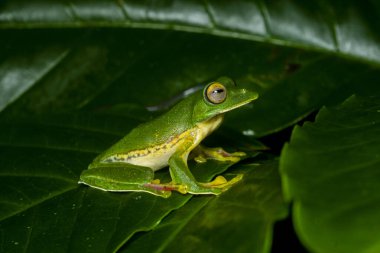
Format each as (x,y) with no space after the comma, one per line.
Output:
(122,177)
(181,175)
(156,185)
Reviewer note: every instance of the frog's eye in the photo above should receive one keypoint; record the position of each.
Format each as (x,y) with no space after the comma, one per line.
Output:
(216,93)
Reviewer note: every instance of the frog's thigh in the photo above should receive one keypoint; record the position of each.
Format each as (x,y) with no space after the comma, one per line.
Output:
(121,177)
(179,171)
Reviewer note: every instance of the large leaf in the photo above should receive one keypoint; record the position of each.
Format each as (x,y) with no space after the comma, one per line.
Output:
(324,81)
(331,171)
(333,27)
(115,71)
(44,209)
(241,220)
(18,73)
(297,55)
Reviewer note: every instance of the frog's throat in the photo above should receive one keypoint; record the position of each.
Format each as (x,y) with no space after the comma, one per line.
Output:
(157,157)
(210,125)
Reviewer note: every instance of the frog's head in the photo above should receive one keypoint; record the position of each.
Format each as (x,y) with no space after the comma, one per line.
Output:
(219,97)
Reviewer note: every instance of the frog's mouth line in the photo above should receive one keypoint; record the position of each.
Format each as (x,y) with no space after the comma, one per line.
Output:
(237,106)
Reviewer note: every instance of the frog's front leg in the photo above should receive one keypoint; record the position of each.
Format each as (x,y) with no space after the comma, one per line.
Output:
(181,175)
(201,153)
(124,177)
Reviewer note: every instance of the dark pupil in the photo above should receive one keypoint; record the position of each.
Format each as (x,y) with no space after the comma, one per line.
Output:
(218,91)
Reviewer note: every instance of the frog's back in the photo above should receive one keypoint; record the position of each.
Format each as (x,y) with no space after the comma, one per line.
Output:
(155,138)
(157,131)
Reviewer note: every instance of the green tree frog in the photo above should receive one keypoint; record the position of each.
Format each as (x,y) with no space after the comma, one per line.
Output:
(129,165)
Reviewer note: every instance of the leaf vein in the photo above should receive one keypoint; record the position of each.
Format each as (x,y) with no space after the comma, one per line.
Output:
(32,204)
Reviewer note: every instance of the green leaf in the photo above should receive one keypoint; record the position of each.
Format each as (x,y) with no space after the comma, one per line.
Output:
(325,81)
(100,84)
(182,62)
(19,73)
(330,170)
(313,24)
(89,87)
(43,207)
(240,220)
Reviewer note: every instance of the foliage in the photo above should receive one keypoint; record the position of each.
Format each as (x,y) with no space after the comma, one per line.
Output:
(77,76)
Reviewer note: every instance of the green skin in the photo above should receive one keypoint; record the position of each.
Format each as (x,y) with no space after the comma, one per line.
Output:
(129,164)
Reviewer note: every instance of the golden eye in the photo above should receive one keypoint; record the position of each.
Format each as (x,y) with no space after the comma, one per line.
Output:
(216,93)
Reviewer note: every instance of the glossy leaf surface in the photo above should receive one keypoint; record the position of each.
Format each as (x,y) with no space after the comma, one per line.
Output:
(331,170)
(76,76)
(211,223)
(42,201)
(344,27)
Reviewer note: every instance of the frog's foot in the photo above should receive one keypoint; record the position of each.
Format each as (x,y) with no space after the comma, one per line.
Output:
(222,183)
(216,187)
(219,154)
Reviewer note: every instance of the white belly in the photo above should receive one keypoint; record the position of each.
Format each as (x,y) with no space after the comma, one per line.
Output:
(155,160)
